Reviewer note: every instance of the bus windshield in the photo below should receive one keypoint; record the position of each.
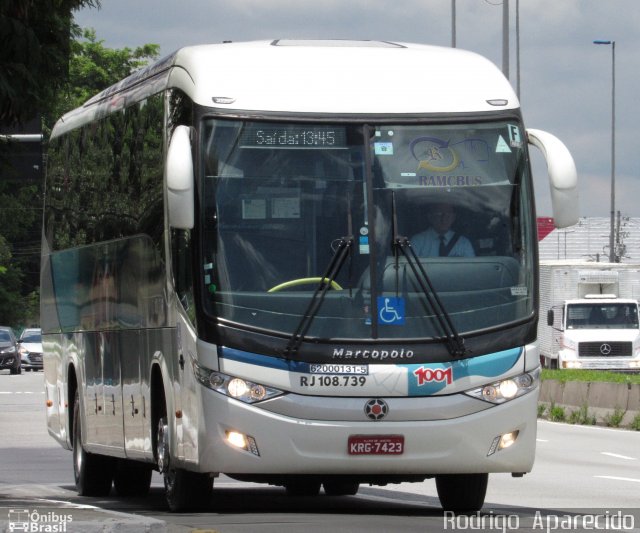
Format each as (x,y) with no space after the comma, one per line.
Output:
(280,200)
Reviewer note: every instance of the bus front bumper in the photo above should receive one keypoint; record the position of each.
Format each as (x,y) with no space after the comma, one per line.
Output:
(233,437)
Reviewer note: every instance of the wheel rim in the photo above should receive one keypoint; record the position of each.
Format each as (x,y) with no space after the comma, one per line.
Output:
(77,460)
(163,446)
(77,454)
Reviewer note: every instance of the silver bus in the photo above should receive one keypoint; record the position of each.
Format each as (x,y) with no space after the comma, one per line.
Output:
(237,276)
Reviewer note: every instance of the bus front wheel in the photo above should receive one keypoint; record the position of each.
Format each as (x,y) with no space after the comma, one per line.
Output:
(184,490)
(92,472)
(462,492)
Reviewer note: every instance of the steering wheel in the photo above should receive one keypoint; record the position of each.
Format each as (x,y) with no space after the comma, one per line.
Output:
(304,281)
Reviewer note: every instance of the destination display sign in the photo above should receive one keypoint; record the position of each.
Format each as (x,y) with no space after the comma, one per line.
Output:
(293,136)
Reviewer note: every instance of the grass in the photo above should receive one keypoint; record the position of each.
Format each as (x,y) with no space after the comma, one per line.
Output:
(590,375)
(614,419)
(556,413)
(582,416)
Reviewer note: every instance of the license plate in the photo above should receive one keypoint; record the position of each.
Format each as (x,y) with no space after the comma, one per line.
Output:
(376,444)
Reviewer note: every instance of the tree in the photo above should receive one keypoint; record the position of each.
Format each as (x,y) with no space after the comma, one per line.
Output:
(34,54)
(10,278)
(93,67)
(77,67)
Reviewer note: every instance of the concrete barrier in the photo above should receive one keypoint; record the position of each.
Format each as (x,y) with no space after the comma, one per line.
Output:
(601,399)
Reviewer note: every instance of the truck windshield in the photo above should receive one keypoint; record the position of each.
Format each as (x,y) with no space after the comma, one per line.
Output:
(602,316)
(281,200)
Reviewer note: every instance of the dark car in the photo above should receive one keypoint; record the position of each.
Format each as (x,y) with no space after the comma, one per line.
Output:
(9,357)
(30,348)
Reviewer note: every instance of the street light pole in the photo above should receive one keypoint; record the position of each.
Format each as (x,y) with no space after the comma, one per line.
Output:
(612,251)
(518,48)
(505,38)
(453,23)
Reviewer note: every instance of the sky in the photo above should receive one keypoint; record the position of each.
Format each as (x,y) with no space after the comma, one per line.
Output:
(565,80)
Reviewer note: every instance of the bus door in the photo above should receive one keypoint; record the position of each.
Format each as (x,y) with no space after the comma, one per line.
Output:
(185,347)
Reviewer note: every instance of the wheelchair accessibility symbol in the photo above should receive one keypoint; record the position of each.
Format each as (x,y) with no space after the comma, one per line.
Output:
(391,310)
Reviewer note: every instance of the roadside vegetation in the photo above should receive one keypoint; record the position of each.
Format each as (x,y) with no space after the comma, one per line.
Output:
(583,415)
(590,375)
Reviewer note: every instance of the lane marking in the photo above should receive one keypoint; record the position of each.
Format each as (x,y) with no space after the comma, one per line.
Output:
(147,522)
(21,392)
(616,478)
(577,427)
(542,440)
(68,505)
(618,456)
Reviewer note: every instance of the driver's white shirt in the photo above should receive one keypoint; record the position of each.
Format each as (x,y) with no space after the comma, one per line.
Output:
(427,244)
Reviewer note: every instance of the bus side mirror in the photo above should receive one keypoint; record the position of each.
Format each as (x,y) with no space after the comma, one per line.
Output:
(179,178)
(563,177)
(550,317)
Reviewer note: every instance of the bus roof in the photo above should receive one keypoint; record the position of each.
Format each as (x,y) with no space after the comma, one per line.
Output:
(318,77)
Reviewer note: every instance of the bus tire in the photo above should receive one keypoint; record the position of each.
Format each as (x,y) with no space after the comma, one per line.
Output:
(184,490)
(92,472)
(132,478)
(462,492)
(341,488)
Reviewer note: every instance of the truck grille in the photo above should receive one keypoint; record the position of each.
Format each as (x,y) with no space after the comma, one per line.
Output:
(605,349)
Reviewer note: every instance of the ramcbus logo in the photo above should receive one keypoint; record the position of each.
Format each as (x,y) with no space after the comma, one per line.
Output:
(429,375)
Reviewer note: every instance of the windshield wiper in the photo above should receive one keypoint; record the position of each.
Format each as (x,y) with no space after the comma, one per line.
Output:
(345,246)
(454,342)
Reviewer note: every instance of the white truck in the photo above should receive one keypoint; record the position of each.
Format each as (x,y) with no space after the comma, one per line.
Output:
(589,315)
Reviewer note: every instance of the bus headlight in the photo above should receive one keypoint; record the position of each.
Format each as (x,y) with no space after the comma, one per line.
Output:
(237,388)
(234,387)
(507,389)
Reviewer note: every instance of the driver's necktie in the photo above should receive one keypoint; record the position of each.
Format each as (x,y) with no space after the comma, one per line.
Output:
(442,251)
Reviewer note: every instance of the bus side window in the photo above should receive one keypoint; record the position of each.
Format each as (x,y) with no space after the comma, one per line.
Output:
(181,255)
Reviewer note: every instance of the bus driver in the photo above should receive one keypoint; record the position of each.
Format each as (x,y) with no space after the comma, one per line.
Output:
(440,240)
